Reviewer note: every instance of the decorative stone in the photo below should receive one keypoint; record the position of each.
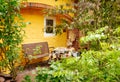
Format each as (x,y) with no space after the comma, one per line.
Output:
(2,79)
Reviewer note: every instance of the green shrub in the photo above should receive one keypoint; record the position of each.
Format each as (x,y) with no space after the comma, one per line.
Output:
(92,66)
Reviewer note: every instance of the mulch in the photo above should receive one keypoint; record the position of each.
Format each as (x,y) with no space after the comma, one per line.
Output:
(29,70)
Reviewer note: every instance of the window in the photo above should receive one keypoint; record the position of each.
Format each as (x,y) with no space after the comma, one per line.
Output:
(49,26)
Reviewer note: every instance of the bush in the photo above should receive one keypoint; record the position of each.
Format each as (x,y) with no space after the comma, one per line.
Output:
(92,66)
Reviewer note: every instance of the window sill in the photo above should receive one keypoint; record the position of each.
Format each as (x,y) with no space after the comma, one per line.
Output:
(49,34)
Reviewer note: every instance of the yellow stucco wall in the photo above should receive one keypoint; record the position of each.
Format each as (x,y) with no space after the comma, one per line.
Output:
(34,31)
(51,2)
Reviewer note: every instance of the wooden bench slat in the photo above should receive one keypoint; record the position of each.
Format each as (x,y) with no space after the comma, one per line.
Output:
(40,56)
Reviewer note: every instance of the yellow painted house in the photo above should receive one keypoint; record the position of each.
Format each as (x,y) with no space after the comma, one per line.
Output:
(41,27)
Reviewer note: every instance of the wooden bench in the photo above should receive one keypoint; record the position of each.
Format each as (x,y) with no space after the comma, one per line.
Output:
(38,51)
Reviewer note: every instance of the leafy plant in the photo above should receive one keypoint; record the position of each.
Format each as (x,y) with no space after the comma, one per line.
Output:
(37,50)
(92,66)
(91,16)
(11,34)
(27,79)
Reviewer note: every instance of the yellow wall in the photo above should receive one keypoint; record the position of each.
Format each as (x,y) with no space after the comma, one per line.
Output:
(51,2)
(34,31)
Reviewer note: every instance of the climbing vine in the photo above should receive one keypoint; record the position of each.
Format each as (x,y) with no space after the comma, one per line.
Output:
(11,34)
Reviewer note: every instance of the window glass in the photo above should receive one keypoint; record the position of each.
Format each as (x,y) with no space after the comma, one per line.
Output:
(49,26)
(49,22)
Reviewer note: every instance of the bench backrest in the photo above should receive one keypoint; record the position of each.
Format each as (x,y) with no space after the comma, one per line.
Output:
(29,49)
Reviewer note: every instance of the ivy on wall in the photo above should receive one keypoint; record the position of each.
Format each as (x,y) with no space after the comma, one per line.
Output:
(11,34)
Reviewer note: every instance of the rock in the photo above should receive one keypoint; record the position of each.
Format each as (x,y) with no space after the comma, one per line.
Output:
(2,79)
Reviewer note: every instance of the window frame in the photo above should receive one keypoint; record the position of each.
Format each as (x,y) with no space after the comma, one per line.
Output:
(54,24)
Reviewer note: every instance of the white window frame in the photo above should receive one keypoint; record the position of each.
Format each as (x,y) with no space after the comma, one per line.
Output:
(54,24)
